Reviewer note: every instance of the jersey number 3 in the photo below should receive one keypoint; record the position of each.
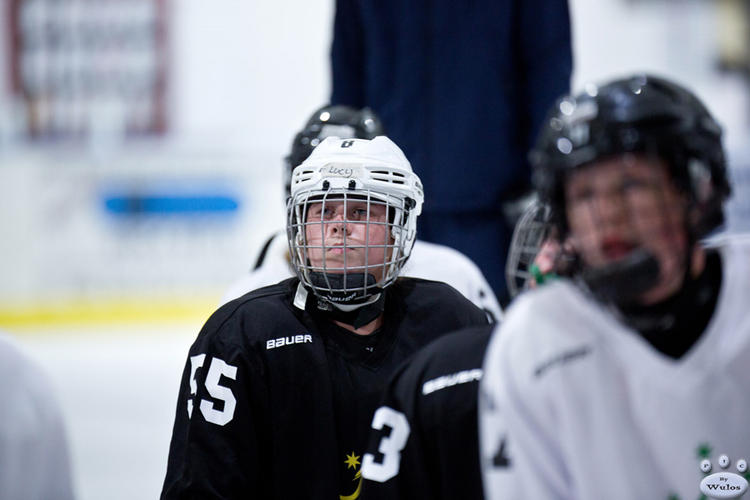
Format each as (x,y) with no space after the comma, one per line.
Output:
(390,445)
(215,371)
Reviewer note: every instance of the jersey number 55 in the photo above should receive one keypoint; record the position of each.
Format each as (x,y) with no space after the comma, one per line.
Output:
(218,392)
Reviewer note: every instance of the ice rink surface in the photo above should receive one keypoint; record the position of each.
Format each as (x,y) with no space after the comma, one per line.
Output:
(118,389)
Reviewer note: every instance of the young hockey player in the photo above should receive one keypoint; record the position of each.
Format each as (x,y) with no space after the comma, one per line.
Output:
(280,385)
(627,380)
(427,260)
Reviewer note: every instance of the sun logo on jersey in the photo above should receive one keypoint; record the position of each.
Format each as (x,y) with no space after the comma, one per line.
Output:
(352,461)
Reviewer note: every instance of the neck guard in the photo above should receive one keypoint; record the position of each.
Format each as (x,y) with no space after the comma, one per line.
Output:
(356,315)
(344,289)
(622,281)
(675,324)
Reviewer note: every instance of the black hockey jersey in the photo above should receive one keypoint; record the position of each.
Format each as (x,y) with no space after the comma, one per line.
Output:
(271,394)
(424,443)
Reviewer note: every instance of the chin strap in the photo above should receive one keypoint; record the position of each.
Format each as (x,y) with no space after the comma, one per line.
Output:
(622,281)
(357,315)
(300,297)
(347,308)
(345,289)
(676,323)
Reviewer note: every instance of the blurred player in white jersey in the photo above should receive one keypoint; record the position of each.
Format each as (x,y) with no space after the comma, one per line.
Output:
(34,458)
(630,378)
(427,261)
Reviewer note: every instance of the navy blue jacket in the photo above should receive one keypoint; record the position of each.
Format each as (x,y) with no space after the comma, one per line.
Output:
(462,86)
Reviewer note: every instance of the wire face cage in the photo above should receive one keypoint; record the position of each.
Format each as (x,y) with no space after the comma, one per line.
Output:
(531,230)
(352,218)
(348,245)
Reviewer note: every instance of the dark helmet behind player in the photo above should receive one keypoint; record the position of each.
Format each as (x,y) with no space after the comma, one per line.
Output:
(638,114)
(330,121)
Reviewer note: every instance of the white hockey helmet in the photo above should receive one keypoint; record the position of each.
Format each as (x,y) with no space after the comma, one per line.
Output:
(353,170)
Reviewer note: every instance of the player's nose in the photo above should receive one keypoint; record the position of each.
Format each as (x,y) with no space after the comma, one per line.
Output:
(610,208)
(337,224)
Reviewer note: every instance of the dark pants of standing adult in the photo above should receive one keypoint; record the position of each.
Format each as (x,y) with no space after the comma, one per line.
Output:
(484,237)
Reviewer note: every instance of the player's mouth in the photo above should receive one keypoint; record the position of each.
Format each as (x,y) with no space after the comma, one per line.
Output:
(616,248)
(339,248)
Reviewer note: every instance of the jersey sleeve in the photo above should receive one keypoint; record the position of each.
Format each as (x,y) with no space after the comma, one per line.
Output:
(218,447)
(423,440)
(392,468)
(518,453)
(34,455)
(441,263)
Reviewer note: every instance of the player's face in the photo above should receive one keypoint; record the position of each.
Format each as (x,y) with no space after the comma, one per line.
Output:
(627,202)
(348,236)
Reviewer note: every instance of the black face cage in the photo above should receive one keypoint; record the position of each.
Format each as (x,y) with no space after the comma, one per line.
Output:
(347,280)
(701,179)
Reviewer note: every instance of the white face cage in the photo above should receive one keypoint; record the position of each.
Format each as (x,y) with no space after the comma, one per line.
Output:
(352,218)
(529,234)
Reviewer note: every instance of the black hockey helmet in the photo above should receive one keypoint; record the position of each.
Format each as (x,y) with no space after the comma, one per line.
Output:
(341,121)
(640,113)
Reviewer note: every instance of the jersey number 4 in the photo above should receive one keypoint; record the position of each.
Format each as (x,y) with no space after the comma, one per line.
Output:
(215,371)
(390,445)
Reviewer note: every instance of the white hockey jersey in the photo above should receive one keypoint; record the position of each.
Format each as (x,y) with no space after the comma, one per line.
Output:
(34,457)
(427,261)
(575,405)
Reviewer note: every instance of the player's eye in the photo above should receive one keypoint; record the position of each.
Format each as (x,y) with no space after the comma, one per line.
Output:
(581,195)
(359,213)
(318,212)
(631,185)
